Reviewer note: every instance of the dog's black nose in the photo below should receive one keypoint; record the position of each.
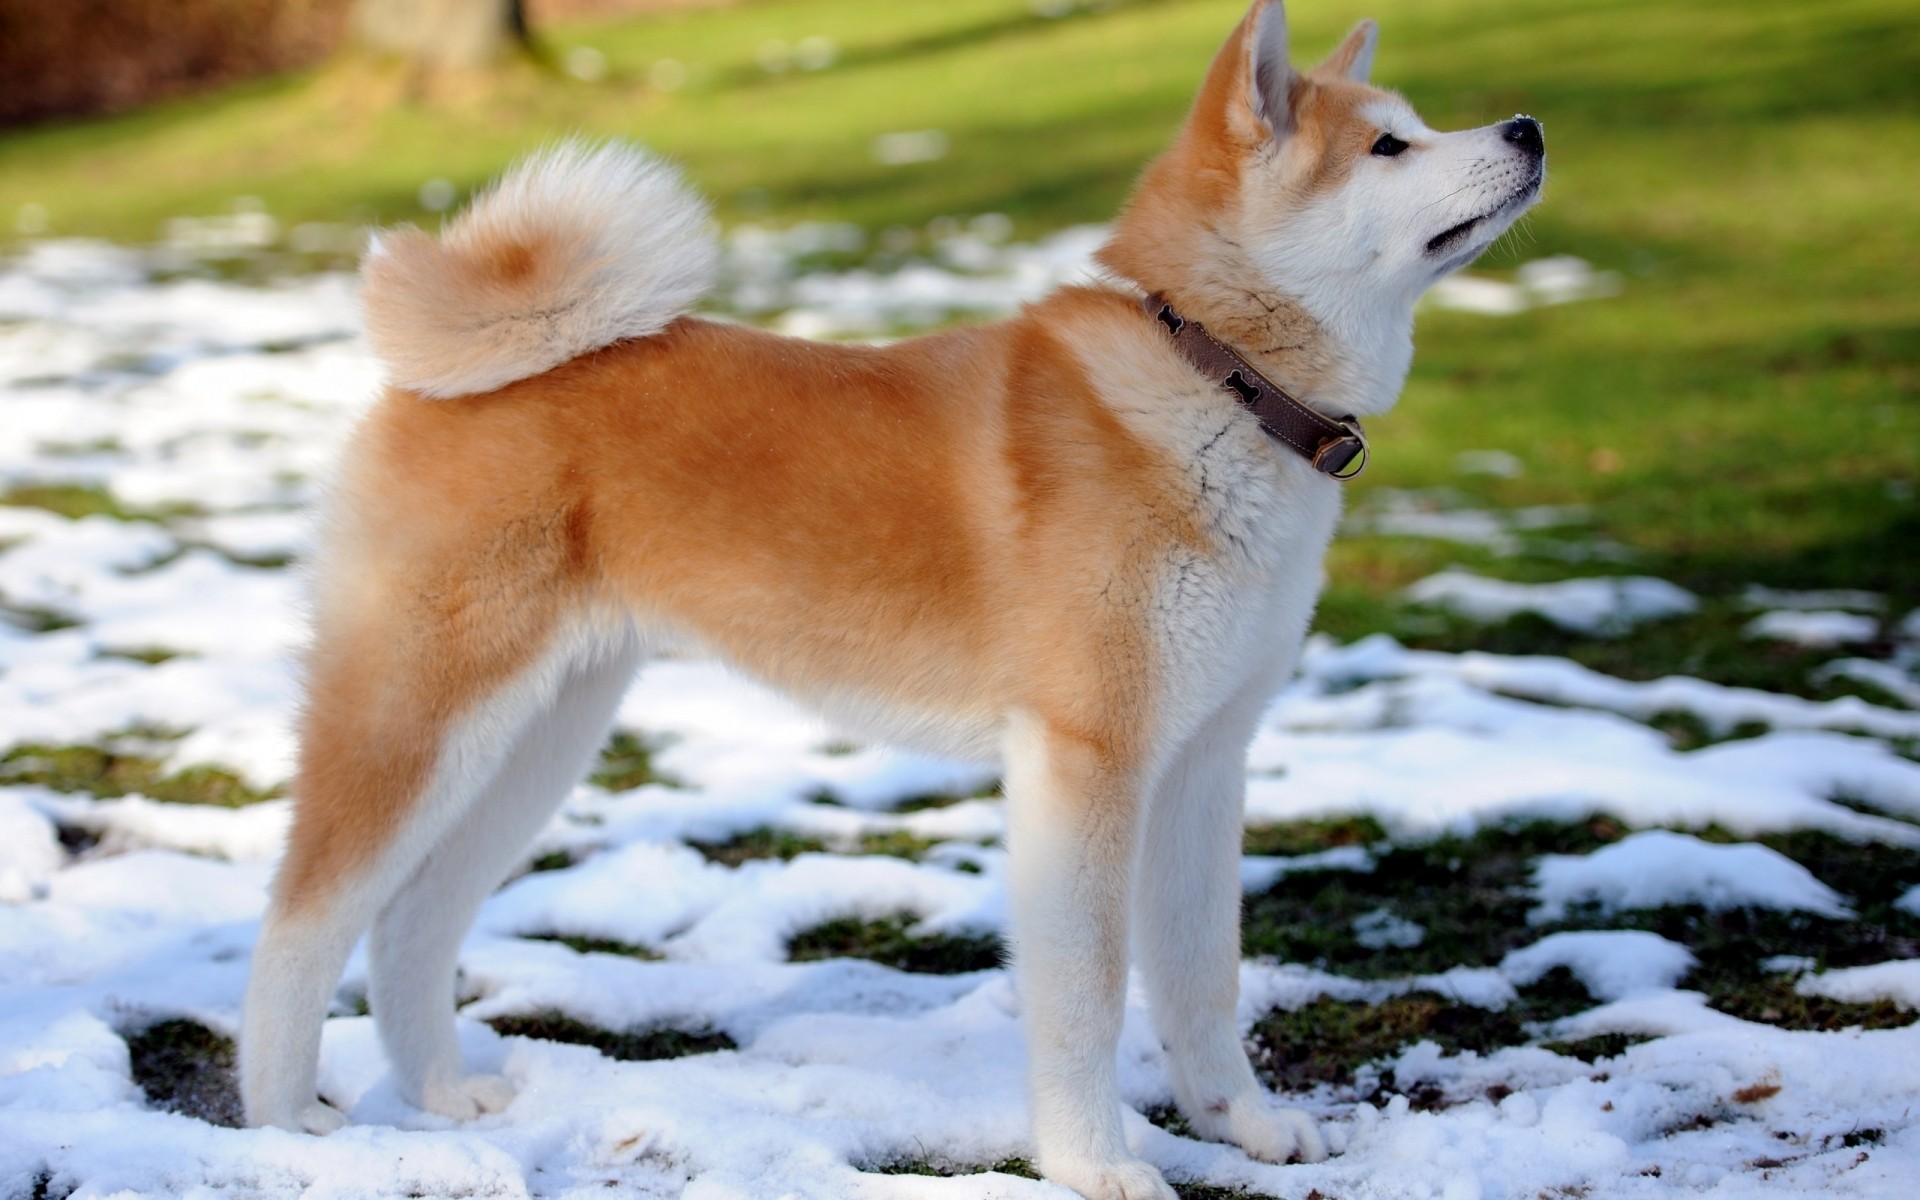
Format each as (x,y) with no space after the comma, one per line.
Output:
(1524,132)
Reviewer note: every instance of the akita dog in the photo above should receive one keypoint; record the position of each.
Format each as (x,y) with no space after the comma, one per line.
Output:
(1085,542)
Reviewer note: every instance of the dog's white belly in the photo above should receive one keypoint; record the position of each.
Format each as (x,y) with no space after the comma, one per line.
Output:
(963,736)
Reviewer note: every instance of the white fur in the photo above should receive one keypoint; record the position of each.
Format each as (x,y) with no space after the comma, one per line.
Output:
(1071,855)
(298,961)
(415,942)
(1187,934)
(1356,258)
(623,245)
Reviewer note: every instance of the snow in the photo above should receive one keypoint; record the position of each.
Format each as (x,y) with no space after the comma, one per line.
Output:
(1380,929)
(1757,596)
(1612,963)
(1819,628)
(1560,279)
(29,851)
(213,408)
(1592,606)
(1890,677)
(1657,868)
(1443,514)
(1896,981)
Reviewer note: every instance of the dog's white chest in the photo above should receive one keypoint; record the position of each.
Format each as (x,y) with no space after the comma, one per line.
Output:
(1234,614)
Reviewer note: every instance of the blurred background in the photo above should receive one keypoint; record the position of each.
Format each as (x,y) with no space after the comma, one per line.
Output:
(1730,399)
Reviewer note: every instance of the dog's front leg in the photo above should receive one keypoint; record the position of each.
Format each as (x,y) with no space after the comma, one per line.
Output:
(1073,833)
(1187,905)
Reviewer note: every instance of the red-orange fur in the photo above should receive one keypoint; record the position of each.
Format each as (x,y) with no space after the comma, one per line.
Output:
(928,525)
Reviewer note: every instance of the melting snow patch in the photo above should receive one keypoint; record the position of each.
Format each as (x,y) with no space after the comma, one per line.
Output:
(1444,515)
(1891,678)
(1758,596)
(29,850)
(1817,628)
(1258,872)
(1896,981)
(1656,869)
(1560,279)
(1611,963)
(1381,930)
(1592,606)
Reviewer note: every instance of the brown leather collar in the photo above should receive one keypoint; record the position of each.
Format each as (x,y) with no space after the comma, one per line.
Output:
(1330,445)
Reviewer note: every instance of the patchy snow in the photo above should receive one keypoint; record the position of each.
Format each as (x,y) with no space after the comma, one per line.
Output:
(1560,279)
(1657,868)
(1612,963)
(1818,628)
(1560,681)
(1756,596)
(1897,981)
(1603,606)
(213,408)
(1498,463)
(1443,514)
(1381,929)
(1909,901)
(30,850)
(1900,682)
(1258,872)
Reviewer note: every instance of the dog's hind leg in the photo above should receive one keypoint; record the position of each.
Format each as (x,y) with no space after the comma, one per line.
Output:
(408,720)
(1073,833)
(1187,932)
(415,942)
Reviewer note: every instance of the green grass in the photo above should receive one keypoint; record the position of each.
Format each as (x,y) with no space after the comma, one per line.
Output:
(186,1068)
(593,945)
(1467,893)
(1327,1041)
(889,942)
(626,762)
(104,773)
(1470,897)
(895,843)
(760,842)
(1314,836)
(627,1045)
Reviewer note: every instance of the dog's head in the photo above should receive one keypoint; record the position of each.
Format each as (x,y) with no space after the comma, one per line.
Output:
(1317,185)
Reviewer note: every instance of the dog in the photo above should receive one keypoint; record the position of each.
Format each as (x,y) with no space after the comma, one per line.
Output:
(1085,542)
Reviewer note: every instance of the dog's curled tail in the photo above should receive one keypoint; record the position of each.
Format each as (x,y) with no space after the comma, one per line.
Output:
(575,248)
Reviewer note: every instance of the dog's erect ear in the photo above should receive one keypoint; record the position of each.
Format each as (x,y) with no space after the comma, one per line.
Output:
(1354,57)
(1269,76)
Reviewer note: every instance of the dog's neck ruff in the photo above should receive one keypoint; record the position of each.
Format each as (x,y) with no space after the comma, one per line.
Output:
(1332,446)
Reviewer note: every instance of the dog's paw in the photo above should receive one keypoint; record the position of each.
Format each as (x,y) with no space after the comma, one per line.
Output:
(1264,1130)
(465,1098)
(318,1118)
(1126,1179)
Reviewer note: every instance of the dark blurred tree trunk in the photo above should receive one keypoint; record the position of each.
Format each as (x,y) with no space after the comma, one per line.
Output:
(442,33)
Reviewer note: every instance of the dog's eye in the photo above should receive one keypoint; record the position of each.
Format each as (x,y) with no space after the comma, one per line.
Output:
(1388,146)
